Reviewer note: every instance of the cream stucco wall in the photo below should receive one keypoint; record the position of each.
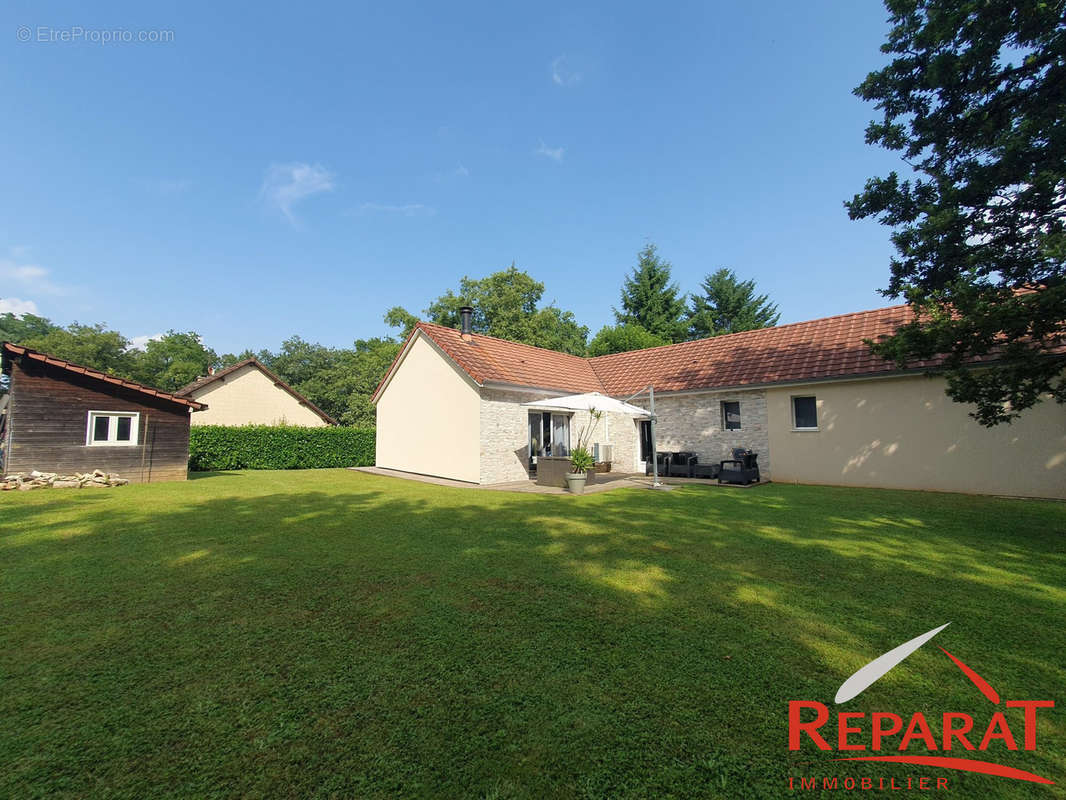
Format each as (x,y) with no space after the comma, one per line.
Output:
(249,397)
(906,433)
(428,417)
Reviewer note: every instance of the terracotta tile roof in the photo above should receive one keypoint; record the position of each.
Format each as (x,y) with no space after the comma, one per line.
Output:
(486,358)
(200,383)
(832,347)
(10,350)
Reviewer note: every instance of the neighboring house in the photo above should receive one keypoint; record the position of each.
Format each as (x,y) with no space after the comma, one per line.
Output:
(66,418)
(250,394)
(809,397)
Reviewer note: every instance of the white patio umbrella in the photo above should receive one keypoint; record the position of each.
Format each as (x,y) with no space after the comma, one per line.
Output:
(595,401)
(590,401)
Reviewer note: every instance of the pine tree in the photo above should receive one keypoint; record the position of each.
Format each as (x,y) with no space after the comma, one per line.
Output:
(728,305)
(650,300)
(974,101)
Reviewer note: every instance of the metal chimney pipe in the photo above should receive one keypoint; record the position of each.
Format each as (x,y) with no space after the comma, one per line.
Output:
(466,315)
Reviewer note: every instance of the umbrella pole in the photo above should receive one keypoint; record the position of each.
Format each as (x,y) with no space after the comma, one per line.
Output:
(654,454)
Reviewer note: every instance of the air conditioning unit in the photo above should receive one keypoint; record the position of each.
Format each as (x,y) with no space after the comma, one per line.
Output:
(606,452)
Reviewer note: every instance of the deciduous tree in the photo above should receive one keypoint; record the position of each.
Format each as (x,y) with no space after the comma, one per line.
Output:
(622,339)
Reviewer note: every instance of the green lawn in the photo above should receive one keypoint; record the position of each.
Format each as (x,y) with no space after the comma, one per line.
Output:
(335,634)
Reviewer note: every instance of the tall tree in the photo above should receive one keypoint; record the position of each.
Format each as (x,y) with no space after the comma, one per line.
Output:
(505,305)
(229,359)
(340,381)
(17,328)
(622,339)
(650,300)
(729,305)
(399,317)
(974,100)
(89,345)
(172,360)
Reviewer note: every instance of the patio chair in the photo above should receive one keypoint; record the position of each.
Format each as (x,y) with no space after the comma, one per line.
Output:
(742,468)
(662,458)
(682,464)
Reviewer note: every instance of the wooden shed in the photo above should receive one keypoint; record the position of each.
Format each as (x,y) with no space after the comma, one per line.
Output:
(65,418)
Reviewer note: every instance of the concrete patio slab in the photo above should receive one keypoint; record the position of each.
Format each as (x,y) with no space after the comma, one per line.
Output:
(605,482)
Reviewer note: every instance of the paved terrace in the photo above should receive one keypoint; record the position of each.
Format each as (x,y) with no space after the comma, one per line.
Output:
(605,482)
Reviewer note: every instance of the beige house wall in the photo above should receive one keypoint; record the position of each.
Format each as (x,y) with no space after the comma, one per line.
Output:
(249,397)
(428,417)
(905,433)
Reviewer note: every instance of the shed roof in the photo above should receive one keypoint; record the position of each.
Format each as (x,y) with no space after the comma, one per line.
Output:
(12,350)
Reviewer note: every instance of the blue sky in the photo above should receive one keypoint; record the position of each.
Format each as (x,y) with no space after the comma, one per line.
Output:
(280,169)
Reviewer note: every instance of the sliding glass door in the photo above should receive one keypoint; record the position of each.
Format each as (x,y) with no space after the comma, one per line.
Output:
(549,435)
(560,435)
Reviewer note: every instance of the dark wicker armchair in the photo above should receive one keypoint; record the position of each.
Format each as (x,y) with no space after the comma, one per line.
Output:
(742,468)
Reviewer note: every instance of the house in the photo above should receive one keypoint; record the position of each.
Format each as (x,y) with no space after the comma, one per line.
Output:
(808,397)
(248,393)
(66,418)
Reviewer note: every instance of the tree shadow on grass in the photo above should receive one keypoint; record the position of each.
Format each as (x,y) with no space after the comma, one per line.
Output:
(390,637)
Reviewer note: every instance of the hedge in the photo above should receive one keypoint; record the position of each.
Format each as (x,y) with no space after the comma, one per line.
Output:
(219,447)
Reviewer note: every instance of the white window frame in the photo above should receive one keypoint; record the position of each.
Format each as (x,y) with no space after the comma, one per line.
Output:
(792,407)
(112,428)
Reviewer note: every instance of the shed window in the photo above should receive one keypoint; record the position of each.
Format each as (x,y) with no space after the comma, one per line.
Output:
(112,428)
(731,416)
(805,413)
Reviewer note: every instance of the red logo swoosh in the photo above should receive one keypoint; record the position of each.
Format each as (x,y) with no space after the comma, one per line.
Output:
(964,764)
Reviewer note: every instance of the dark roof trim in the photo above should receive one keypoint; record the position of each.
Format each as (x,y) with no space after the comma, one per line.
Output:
(254,362)
(10,350)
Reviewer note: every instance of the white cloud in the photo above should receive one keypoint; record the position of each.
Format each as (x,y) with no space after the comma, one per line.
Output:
(285,185)
(12,305)
(562,75)
(30,277)
(406,209)
(139,342)
(461,172)
(554,153)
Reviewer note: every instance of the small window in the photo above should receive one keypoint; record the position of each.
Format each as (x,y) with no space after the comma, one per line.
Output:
(101,425)
(731,416)
(805,413)
(112,428)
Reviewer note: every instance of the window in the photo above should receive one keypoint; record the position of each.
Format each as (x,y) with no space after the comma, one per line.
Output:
(112,428)
(549,434)
(730,416)
(805,413)
(561,435)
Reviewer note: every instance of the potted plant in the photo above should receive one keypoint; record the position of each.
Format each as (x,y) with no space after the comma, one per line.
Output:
(580,463)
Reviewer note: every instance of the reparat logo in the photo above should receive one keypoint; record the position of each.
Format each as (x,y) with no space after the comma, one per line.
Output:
(959,730)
